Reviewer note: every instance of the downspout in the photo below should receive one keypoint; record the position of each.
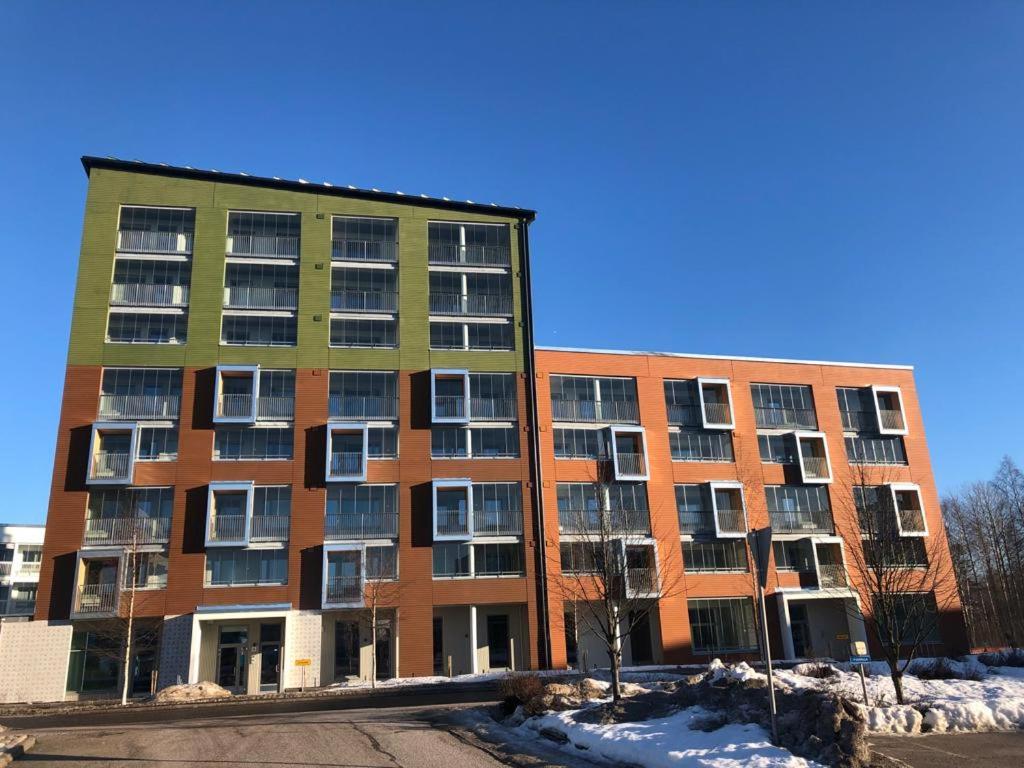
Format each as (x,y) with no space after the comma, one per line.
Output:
(535,462)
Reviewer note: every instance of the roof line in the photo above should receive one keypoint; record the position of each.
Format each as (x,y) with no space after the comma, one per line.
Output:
(724,357)
(301,185)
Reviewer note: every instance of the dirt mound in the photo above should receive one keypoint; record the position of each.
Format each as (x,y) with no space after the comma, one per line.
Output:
(192,692)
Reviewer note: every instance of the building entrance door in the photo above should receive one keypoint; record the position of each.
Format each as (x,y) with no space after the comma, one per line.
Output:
(233,658)
(384,650)
(270,658)
(801,629)
(497,641)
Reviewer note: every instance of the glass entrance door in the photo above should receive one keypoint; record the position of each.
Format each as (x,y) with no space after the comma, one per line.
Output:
(270,657)
(383,650)
(801,629)
(233,658)
(497,641)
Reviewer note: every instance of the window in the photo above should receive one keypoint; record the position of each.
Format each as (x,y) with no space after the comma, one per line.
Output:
(147,503)
(498,559)
(139,283)
(621,496)
(158,443)
(723,625)
(875,450)
(857,409)
(94,662)
(473,244)
(797,498)
(700,446)
(794,555)
(259,330)
(150,570)
(777,449)
(586,398)
(474,336)
(382,442)
(717,555)
(451,559)
(362,512)
(683,404)
(364,395)
(896,552)
(355,332)
(364,290)
(261,286)
(31,554)
(474,442)
(155,230)
(252,443)
(580,444)
(781,406)
(364,239)
(382,562)
(263,234)
(140,393)
(144,328)
(238,567)
(581,557)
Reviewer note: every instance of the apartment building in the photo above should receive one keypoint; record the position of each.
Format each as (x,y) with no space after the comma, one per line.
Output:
(21,557)
(294,415)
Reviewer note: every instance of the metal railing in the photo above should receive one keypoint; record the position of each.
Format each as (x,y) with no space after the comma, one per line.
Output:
(16,607)
(476,255)
(145,241)
(383,525)
(492,409)
(235,406)
(275,408)
(263,246)
(631,464)
(227,528)
(699,523)
(831,576)
(732,521)
(891,419)
(450,406)
(859,421)
(6,567)
(260,297)
(815,467)
(140,406)
(911,520)
(269,528)
(343,249)
(363,408)
(346,464)
(148,295)
(583,521)
(96,599)
(642,581)
(483,304)
(110,465)
(777,418)
(717,413)
(498,522)
(29,568)
(684,415)
(364,301)
(802,521)
(126,530)
(452,522)
(344,589)
(593,410)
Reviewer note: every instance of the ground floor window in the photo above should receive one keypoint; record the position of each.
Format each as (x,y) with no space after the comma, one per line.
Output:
(722,625)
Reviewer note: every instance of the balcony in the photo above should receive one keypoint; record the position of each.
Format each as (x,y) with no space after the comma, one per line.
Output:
(347,449)
(6,567)
(363,408)
(889,410)
(859,421)
(498,522)
(235,390)
(263,246)
(590,521)
(121,531)
(816,468)
(275,408)
(451,407)
(785,418)
(492,409)
(260,297)
(234,406)
(364,301)
(812,453)
(343,575)
(697,522)
(347,249)
(449,396)
(730,509)
(17,607)
(630,465)
(453,502)
(29,568)
(228,511)
(891,420)
(148,295)
(479,304)
(96,600)
(598,411)
(146,241)
(641,581)
(343,590)
(227,529)
(818,521)
(469,255)
(684,415)
(832,576)
(139,407)
(266,528)
(910,519)
(382,525)
(715,403)
(111,467)
(346,465)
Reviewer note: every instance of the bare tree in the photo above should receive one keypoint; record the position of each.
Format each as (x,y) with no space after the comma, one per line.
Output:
(383,590)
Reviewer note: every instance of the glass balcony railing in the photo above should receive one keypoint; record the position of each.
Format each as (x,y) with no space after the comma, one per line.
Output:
(595,411)
(363,407)
(134,407)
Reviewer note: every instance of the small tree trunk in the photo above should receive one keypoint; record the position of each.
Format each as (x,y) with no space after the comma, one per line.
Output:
(897,683)
(128,635)
(373,646)
(616,656)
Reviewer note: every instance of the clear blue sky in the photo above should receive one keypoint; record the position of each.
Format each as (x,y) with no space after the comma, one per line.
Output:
(800,179)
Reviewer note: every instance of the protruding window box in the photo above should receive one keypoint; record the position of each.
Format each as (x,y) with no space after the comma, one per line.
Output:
(729,509)
(828,564)
(889,410)
(906,501)
(347,448)
(229,513)
(629,453)
(453,509)
(812,453)
(449,396)
(716,403)
(112,450)
(236,394)
(344,575)
(97,584)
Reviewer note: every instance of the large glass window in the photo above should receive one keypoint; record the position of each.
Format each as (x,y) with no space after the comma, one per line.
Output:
(474,442)
(580,444)
(875,450)
(783,406)
(158,443)
(145,328)
(238,567)
(451,558)
(357,332)
(723,625)
(364,239)
(259,330)
(480,336)
(777,449)
(718,555)
(498,559)
(700,446)
(683,403)
(252,443)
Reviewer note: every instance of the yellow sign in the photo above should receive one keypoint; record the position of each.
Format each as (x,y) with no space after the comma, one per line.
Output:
(303,662)
(842,637)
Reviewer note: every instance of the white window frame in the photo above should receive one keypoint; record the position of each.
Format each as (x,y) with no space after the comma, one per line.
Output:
(701,381)
(362,428)
(98,427)
(254,370)
(875,391)
(631,430)
(349,546)
(449,373)
(728,485)
(895,488)
(448,483)
(229,486)
(800,456)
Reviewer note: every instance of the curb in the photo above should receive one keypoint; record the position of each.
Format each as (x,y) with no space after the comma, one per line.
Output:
(17,750)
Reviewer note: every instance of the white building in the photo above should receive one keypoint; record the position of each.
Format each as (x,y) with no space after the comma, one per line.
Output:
(21,554)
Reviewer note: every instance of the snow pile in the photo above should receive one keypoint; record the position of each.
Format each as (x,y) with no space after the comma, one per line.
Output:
(741,672)
(192,692)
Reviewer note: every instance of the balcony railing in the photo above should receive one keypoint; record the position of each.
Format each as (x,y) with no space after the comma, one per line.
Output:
(364,301)
(346,463)
(364,250)
(831,576)
(452,522)
(275,408)
(731,521)
(498,522)
(631,464)
(227,528)
(806,521)
(363,408)
(344,589)
(911,520)
(859,421)
(110,465)
(17,607)
(383,525)
(815,467)
(6,567)
(133,407)
(618,521)
(784,418)
(148,295)
(480,304)
(145,241)
(684,415)
(642,581)
(263,246)
(237,406)
(891,419)
(126,530)
(29,568)
(697,523)
(269,528)
(450,406)
(96,599)
(593,410)
(260,297)
(492,409)
(717,413)
(474,255)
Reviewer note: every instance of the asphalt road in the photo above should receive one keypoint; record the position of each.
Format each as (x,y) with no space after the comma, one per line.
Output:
(358,738)
(951,750)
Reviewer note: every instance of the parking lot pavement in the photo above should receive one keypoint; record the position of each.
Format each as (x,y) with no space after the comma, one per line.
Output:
(366,738)
(1004,749)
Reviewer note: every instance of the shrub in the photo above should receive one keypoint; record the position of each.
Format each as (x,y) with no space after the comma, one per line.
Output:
(820,671)
(519,689)
(1013,657)
(945,669)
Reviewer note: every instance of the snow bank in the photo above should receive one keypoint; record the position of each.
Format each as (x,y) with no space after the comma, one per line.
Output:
(742,672)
